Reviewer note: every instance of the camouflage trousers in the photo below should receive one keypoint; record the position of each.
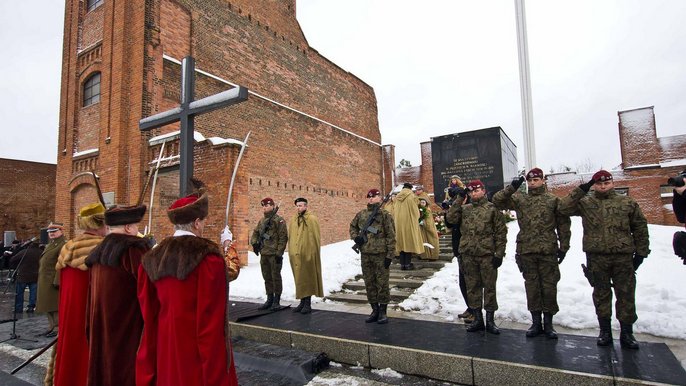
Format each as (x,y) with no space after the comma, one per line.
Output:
(481,278)
(271,273)
(376,278)
(608,271)
(541,275)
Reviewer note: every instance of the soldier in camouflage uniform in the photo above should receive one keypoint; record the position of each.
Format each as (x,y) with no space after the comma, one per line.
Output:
(482,246)
(269,241)
(542,243)
(616,242)
(377,254)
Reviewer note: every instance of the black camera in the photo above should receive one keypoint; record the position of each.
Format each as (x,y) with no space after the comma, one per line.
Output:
(677,181)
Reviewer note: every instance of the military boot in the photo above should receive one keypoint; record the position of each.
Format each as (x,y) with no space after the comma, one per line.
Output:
(478,323)
(307,307)
(548,329)
(626,336)
(490,323)
(383,319)
(536,329)
(605,336)
(268,303)
(374,316)
(276,303)
(300,306)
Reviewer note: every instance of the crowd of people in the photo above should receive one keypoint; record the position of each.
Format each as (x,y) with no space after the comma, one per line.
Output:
(134,313)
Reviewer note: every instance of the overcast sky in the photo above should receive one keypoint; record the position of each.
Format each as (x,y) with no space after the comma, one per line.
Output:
(437,67)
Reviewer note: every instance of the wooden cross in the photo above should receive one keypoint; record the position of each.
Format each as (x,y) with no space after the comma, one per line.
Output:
(186,113)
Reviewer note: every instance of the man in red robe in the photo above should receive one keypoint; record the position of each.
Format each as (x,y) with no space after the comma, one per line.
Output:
(71,358)
(183,294)
(113,318)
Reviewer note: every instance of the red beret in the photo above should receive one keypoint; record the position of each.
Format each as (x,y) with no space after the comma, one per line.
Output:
(602,175)
(373,192)
(267,201)
(475,184)
(534,173)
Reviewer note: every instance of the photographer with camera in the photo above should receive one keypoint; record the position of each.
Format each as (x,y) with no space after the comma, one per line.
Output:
(679,207)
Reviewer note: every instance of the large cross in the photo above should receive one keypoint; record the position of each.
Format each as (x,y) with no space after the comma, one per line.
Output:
(186,113)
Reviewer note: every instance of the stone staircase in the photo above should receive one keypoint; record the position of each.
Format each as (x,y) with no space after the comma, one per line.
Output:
(402,283)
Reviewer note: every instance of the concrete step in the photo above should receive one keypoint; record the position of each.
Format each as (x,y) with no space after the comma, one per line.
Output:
(395,282)
(420,274)
(361,296)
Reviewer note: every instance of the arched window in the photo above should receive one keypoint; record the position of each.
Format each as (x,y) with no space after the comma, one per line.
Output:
(91,90)
(93,4)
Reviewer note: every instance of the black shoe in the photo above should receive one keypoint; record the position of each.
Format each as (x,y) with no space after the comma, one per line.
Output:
(626,337)
(548,329)
(536,328)
(478,323)
(307,306)
(276,304)
(374,316)
(490,323)
(30,310)
(383,319)
(605,336)
(268,304)
(300,306)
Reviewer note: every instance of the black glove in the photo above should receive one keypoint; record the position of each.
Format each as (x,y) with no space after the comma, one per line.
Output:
(497,262)
(387,262)
(445,205)
(560,255)
(256,247)
(517,182)
(638,260)
(457,192)
(359,240)
(587,186)
(279,260)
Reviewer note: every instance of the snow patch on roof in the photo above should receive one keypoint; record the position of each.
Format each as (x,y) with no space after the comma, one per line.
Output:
(197,136)
(84,152)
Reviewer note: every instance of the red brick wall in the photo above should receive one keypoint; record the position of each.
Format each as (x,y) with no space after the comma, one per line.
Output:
(637,137)
(426,167)
(91,32)
(256,44)
(27,196)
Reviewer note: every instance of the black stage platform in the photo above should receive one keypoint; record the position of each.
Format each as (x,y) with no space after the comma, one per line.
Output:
(653,362)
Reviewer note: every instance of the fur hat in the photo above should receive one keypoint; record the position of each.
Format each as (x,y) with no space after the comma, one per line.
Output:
(267,201)
(534,173)
(419,187)
(475,184)
(194,206)
(91,216)
(122,215)
(373,193)
(602,175)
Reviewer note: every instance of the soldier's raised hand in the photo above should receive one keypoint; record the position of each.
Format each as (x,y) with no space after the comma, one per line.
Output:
(517,182)
(587,186)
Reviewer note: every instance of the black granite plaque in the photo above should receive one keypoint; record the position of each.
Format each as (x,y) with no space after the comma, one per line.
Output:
(487,154)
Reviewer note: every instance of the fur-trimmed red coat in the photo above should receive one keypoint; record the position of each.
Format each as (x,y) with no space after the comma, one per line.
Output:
(182,291)
(71,359)
(113,318)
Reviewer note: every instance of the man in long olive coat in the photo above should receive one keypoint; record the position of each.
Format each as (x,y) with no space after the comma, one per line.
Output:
(304,244)
(48,280)
(408,238)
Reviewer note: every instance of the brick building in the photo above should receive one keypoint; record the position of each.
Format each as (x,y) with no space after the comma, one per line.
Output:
(647,162)
(314,126)
(27,196)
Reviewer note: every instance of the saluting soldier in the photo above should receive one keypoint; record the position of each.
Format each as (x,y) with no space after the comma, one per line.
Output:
(482,246)
(616,243)
(269,242)
(542,243)
(377,253)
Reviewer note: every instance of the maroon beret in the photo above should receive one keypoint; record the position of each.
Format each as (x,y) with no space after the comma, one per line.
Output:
(373,192)
(602,175)
(534,173)
(267,201)
(475,184)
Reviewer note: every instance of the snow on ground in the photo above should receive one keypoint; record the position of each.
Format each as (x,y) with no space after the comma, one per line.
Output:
(660,298)
(339,265)
(660,295)
(387,372)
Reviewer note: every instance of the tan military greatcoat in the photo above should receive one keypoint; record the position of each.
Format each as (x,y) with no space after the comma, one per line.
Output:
(304,244)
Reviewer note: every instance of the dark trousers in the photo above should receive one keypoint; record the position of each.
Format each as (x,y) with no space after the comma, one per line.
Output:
(19,297)
(271,273)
